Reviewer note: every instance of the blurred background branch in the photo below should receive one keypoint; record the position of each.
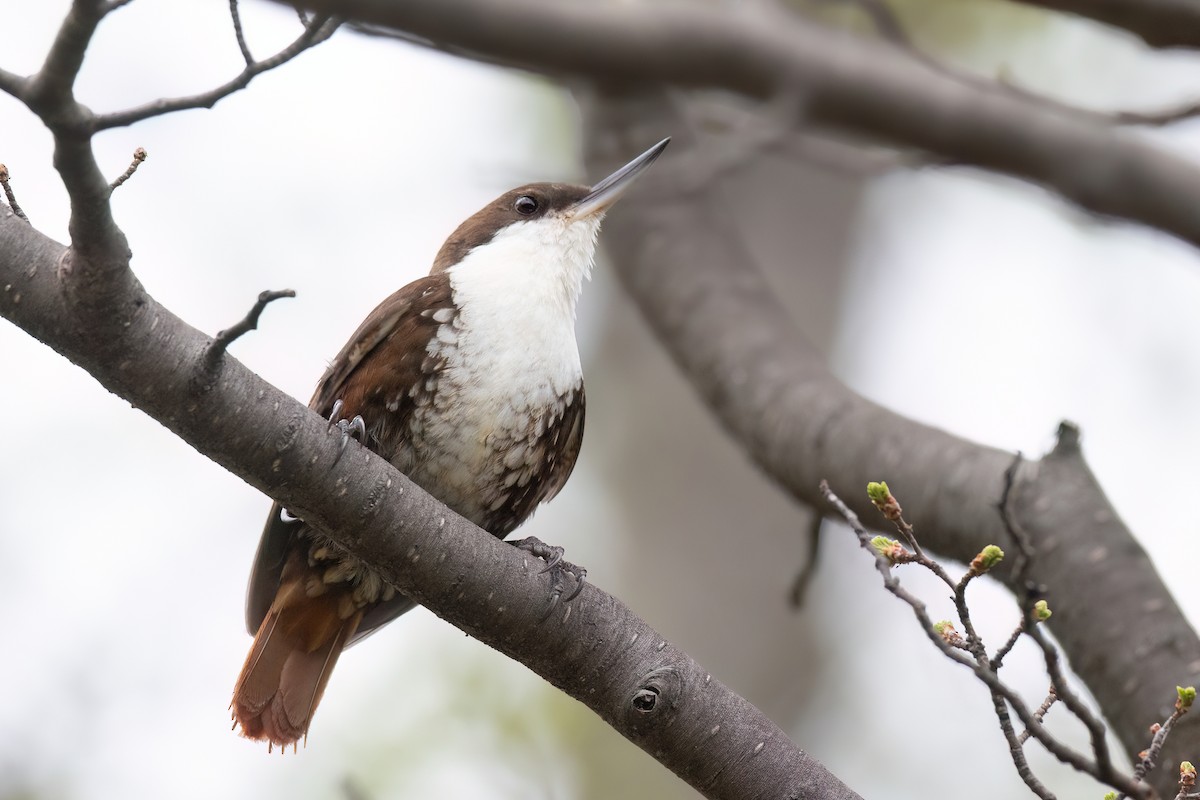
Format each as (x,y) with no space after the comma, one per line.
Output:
(874,88)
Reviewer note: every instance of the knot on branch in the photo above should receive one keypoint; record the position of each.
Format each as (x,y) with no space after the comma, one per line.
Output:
(660,690)
(645,699)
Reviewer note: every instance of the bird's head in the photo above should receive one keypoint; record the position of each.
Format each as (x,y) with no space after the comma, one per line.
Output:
(538,230)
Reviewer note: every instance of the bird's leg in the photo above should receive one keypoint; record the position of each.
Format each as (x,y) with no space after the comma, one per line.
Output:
(356,427)
(557,567)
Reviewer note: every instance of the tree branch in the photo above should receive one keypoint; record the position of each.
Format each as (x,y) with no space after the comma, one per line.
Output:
(13,84)
(682,260)
(9,194)
(240,35)
(595,648)
(86,303)
(316,31)
(52,89)
(227,336)
(862,85)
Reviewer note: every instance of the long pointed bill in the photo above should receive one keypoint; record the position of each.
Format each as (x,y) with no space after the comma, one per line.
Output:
(609,190)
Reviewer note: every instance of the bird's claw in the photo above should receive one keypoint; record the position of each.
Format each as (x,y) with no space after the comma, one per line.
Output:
(355,428)
(557,567)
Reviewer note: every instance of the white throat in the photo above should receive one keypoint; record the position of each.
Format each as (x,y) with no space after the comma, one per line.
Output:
(516,297)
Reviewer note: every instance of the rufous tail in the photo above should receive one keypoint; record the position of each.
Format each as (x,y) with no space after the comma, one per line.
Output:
(294,652)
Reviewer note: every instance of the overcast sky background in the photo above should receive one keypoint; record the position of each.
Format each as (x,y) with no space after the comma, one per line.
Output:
(339,175)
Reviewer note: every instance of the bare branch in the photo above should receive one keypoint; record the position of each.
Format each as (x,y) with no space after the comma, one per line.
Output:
(1058,680)
(240,35)
(685,265)
(601,653)
(51,88)
(216,351)
(97,242)
(869,87)
(318,30)
(113,5)
(139,156)
(971,642)
(13,84)
(1001,692)
(1016,750)
(1145,764)
(1042,711)
(9,195)
(808,570)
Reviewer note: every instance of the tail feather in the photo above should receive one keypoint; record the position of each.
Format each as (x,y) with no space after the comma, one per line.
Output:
(293,655)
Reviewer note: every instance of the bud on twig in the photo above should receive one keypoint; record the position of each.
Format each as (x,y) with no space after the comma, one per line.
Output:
(1041,611)
(988,557)
(892,550)
(949,634)
(882,497)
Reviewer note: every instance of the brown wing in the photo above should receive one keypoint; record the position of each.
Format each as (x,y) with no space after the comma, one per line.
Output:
(382,349)
(563,443)
(410,315)
(552,460)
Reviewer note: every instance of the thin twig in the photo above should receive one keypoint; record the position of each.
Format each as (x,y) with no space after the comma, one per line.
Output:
(808,570)
(890,508)
(1024,559)
(1187,782)
(8,193)
(318,30)
(248,323)
(1149,757)
(982,670)
(113,5)
(1042,710)
(979,651)
(241,36)
(998,659)
(1016,749)
(139,156)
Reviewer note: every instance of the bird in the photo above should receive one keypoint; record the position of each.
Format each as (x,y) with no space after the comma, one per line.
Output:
(467,380)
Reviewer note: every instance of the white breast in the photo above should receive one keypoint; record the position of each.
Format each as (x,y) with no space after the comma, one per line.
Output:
(510,356)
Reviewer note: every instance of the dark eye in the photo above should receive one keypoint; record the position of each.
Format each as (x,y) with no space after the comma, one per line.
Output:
(526,205)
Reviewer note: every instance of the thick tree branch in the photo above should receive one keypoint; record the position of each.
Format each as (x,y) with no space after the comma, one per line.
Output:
(95,270)
(681,258)
(865,86)
(594,648)
(86,303)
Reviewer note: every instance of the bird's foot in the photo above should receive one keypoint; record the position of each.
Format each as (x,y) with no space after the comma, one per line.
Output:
(355,428)
(557,567)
